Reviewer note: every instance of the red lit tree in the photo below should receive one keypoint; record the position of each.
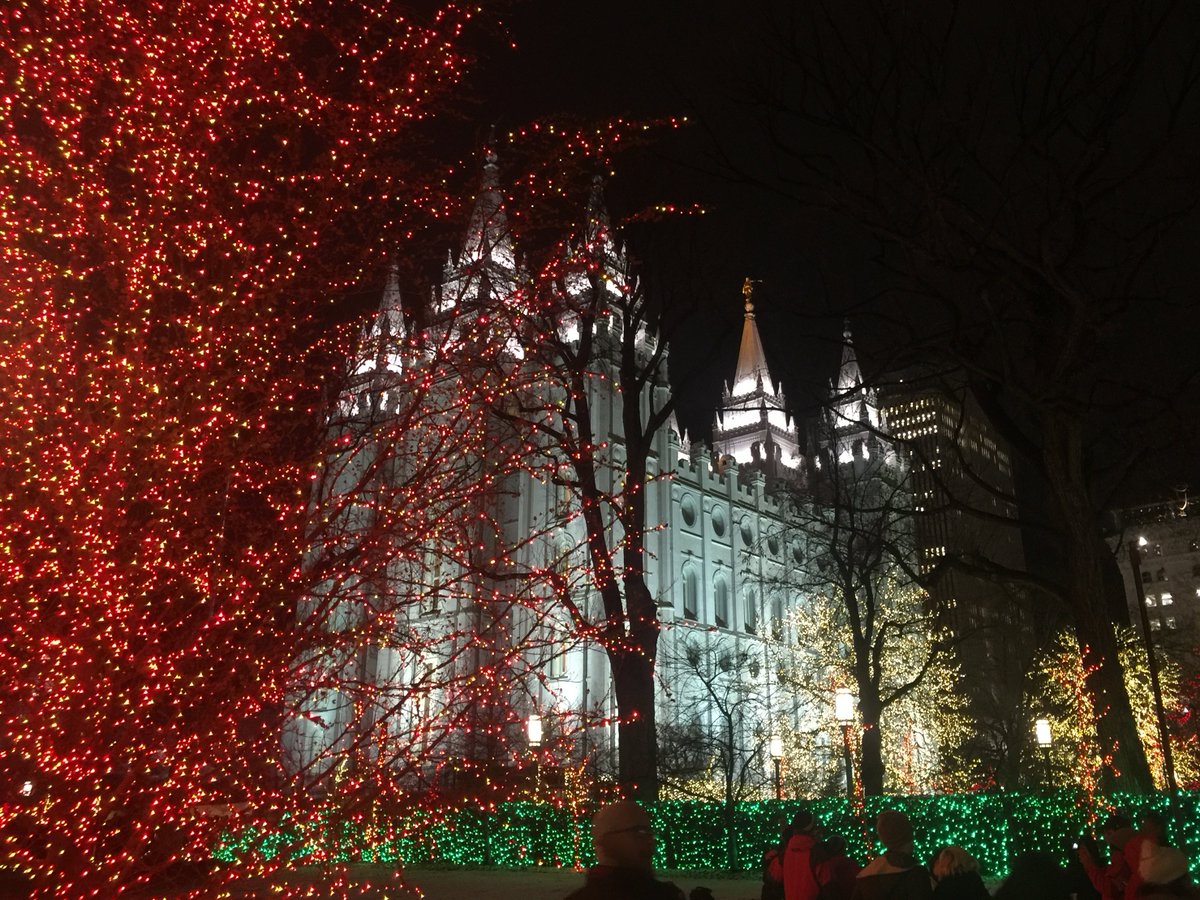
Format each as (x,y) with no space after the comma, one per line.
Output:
(184,187)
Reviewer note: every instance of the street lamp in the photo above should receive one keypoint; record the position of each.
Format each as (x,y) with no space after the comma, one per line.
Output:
(533,731)
(533,734)
(844,702)
(776,750)
(1041,733)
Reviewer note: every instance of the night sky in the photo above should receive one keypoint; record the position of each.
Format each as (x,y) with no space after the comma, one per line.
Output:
(657,59)
(703,60)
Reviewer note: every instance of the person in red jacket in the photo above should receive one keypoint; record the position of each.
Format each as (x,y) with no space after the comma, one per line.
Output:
(1119,879)
(799,865)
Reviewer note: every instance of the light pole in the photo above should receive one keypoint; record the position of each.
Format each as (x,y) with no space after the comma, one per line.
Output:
(1164,736)
(844,702)
(533,734)
(1041,732)
(776,750)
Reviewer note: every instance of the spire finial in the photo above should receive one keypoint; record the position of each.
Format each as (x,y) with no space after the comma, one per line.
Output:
(490,159)
(748,293)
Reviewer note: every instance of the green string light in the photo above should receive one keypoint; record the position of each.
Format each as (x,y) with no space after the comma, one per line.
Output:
(994,827)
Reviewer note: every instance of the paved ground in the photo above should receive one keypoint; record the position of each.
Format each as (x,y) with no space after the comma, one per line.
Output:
(441,883)
(545,884)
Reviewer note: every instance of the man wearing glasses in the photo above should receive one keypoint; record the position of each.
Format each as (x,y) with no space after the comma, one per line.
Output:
(624,869)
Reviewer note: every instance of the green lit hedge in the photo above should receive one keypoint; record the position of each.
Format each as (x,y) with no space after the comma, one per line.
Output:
(994,827)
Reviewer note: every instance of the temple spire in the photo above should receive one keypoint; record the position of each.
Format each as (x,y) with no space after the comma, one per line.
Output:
(753,425)
(599,228)
(486,270)
(853,402)
(849,373)
(488,234)
(751,373)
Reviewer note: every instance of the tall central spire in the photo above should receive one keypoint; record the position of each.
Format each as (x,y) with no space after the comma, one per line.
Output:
(751,373)
(753,425)
(486,271)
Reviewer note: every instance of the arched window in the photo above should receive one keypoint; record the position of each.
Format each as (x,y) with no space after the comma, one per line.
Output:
(777,618)
(721,603)
(431,600)
(751,612)
(689,593)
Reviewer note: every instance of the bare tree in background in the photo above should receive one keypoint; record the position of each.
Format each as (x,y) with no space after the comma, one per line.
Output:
(862,566)
(729,752)
(1029,174)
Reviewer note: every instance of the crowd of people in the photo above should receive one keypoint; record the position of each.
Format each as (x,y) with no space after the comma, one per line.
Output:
(809,864)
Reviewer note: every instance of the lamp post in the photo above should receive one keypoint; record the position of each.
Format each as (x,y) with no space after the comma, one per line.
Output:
(844,702)
(776,750)
(1041,732)
(1164,736)
(533,734)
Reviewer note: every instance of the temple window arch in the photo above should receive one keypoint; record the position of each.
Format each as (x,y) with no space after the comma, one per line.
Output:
(721,602)
(689,582)
(750,619)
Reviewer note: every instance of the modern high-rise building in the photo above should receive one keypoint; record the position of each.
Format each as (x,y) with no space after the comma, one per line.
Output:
(968,539)
(964,502)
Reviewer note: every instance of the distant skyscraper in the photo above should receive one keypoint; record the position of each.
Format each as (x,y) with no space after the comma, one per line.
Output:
(964,500)
(1167,540)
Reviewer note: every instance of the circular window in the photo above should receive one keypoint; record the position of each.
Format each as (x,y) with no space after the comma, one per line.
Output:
(798,552)
(747,532)
(773,544)
(718,521)
(688,507)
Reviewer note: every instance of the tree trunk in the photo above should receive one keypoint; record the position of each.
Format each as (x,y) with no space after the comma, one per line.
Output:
(1086,554)
(633,684)
(871,765)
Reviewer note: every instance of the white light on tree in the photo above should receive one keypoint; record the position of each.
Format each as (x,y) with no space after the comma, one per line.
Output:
(1041,730)
(843,706)
(533,730)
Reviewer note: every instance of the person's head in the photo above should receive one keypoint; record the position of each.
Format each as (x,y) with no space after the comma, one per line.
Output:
(804,822)
(1116,831)
(622,836)
(894,830)
(835,845)
(1163,867)
(953,861)
(1034,876)
(1153,825)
